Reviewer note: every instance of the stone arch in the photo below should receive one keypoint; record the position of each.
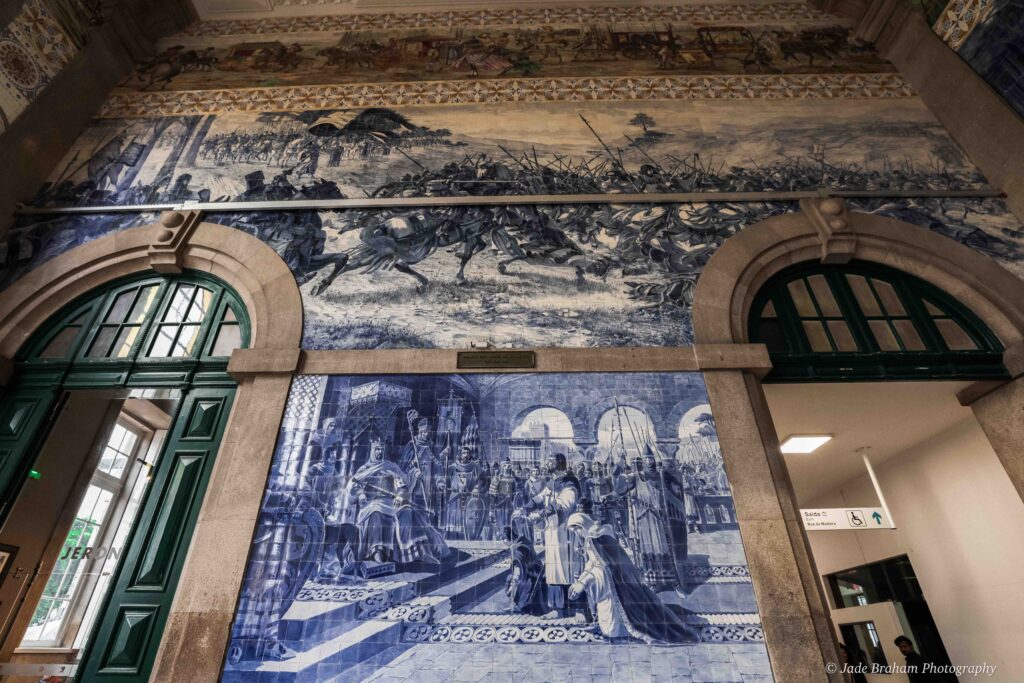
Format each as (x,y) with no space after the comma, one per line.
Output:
(678,412)
(521,415)
(766,507)
(825,231)
(601,407)
(176,242)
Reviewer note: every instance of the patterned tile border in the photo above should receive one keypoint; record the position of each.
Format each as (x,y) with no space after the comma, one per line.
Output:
(33,49)
(299,98)
(471,634)
(702,14)
(959,18)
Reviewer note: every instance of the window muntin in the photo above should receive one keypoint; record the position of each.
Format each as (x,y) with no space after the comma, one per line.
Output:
(67,586)
(148,320)
(813,315)
(228,335)
(122,324)
(177,333)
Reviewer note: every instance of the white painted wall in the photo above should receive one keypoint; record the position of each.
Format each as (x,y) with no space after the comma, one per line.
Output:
(961,523)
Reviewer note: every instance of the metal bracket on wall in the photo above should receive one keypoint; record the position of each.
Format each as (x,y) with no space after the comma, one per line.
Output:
(512,200)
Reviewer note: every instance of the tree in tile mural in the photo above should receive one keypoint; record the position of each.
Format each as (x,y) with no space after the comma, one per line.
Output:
(518,527)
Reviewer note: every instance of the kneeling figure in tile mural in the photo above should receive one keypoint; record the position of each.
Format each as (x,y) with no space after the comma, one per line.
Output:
(416,526)
(623,605)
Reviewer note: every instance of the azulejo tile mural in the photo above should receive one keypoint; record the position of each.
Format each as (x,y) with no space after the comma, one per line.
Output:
(713,13)
(605,89)
(989,36)
(497,527)
(33,48)
(596,50)
(563,275)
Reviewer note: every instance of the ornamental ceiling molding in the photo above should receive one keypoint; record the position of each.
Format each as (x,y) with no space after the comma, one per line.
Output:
(960,18)
(496,91)
(778,12)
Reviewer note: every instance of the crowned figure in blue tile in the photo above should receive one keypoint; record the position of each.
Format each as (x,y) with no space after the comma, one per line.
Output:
(444,527)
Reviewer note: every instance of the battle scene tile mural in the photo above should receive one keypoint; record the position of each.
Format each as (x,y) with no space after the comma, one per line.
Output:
(524,527)
(512,148)
(571,275)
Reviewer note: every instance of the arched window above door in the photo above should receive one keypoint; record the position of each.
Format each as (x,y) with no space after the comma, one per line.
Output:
(865,321)
(137,326)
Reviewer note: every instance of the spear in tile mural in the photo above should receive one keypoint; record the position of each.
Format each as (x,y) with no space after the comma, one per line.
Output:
(611,155)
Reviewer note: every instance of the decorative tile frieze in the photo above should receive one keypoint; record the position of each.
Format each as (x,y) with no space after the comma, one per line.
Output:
(959,18)
(33,49)
(703,14)
(298,98)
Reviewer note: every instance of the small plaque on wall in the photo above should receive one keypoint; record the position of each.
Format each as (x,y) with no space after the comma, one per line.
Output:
(476,360)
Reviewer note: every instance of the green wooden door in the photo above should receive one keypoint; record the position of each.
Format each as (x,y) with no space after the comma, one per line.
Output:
(125,640)
(22,414)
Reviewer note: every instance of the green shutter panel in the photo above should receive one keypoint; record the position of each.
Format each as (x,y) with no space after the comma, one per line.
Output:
(128,634)
(22,413)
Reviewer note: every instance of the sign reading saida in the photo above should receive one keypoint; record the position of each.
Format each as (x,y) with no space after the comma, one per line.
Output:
(845,519)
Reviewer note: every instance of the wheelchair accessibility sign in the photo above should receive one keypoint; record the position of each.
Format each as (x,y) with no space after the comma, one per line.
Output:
(845,519)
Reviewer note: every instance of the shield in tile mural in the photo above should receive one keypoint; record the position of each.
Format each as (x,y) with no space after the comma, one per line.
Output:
(520,527)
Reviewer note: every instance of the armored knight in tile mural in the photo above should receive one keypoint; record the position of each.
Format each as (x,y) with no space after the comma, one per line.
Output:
(414,525)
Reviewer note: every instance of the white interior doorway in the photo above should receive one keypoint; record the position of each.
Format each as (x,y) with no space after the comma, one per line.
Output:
(959,532)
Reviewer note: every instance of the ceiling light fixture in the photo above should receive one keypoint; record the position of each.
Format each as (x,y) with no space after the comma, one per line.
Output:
(804,443)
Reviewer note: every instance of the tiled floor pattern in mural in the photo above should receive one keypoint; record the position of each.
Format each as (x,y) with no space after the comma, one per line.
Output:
(401,633)
(534,528)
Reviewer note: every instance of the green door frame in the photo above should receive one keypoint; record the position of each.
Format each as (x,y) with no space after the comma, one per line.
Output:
(132,317)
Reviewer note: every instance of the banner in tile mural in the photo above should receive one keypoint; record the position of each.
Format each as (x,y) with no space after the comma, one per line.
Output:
(522,527)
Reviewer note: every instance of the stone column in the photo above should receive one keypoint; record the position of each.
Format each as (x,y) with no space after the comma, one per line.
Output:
(195,637)
(999,409)
(794,614)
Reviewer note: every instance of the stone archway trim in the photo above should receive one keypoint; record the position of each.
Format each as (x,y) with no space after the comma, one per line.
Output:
(196,633)
(794,613)
(177,241)
(825,231)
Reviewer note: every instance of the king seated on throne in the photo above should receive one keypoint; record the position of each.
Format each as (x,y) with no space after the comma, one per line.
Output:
(392,527)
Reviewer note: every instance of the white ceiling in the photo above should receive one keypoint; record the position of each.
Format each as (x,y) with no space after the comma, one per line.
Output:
(888,417)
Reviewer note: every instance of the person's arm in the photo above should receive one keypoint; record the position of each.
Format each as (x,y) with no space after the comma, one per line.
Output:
(585,578)
(566,499)
(542,506)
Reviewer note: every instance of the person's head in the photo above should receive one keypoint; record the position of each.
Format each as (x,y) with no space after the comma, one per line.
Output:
(638,464)
(556,463)
(535,472)
(376,450)
(423,427)
(904,645)
(465,454)
(650,463)
(329,424)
